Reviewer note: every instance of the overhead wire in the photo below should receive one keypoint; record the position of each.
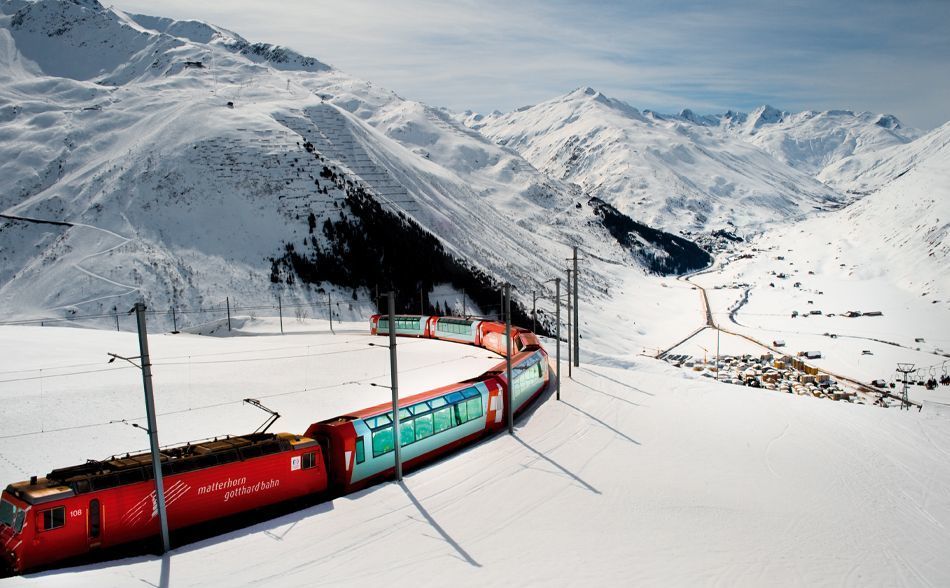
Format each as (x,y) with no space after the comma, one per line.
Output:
(230,402)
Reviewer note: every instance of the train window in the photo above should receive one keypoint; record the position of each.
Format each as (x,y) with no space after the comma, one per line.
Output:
(437,402)
(419,408)
(423,426)
(461,410)
(442,419)
(474,408)
(309,460)
(470,392)
(11,515)
(407,323)
(95,518)
(360,451)
(54,518)
(407,431)
(382,441)
(404,414)
(454,397)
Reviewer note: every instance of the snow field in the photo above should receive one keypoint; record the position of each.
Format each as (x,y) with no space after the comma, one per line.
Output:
(637,476)
(199,382)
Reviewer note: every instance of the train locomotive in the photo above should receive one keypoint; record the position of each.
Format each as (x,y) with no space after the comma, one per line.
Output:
(78,510)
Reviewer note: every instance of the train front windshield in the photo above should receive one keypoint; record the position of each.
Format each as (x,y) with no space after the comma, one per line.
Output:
(11,515)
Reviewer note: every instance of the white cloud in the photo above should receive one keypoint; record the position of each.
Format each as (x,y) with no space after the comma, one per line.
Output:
(874,55)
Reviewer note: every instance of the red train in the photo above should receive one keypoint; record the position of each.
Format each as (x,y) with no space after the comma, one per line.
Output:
(99,504)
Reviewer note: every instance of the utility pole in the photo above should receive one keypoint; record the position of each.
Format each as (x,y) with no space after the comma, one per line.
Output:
(905,368)
(717,353)
(557,335)
(534,311)
(280,313)
(330,308)
(174,321)
(116,311)
(139,310)
(227,301)
(577,322)
(569,352)
(394,384)
(511,385)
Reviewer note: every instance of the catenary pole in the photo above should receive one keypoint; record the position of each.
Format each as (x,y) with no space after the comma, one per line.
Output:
(717,353)
(152,422)
(394,385)
(280,313)
(227,300)
(557,335)
(534,311)
(577,322)
(569,351)
(510,400)
(330,309)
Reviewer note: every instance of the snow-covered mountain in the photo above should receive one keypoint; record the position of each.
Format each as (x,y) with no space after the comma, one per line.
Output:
(692,172)
(903,224)
(680,173)
(811,141)
(184,164)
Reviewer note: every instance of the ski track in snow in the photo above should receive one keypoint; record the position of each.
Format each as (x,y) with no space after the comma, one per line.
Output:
(129,288)
(768,449)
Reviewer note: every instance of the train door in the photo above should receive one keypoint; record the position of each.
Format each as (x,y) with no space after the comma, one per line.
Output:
(94,524)
(496,404)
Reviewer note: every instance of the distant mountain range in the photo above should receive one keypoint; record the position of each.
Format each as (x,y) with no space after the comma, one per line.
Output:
(178,162)
(689,173)
(183,163)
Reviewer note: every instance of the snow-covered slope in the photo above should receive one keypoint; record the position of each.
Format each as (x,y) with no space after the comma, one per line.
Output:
(186,160)
(904,226)
(867,172)
(638,476)
(887,252)
(678,173)
(810,141)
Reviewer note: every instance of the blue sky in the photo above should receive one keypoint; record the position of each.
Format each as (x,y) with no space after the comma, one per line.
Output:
(710,56)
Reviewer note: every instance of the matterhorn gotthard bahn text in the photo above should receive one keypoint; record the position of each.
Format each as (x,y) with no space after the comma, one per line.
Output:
(742,296)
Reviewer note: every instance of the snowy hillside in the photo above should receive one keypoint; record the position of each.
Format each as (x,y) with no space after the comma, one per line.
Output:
(808,284)
(639,475)
(867,172)
(810,141)
(178,151)
(670,172)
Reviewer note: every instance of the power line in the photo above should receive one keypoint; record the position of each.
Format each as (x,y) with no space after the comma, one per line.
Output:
(238,401)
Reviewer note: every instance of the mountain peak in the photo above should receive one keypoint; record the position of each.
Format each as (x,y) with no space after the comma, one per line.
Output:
(888,121)
(765,114)
(588,94)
